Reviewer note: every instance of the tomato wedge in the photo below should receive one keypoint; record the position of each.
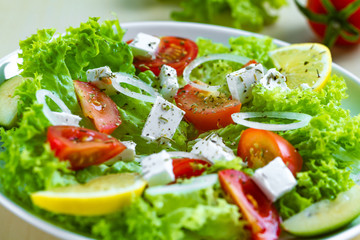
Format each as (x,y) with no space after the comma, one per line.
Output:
(173,51)
(258,147)
(187,168)
(98,106)
(82,147)
(206,110)
(257,209)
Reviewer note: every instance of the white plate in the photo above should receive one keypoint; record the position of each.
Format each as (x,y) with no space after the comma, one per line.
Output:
(8,68)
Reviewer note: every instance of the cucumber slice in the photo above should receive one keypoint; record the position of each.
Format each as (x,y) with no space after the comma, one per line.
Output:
(8,103)
(325,216)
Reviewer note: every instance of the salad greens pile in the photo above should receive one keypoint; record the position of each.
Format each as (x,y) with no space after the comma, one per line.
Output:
(329,144)
(244,14)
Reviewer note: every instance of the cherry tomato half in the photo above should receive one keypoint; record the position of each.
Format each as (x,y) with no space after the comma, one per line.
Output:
(206,110)
(82,147)
(259,147)
(187,168)
(257,209)
(98,106)
(173,51)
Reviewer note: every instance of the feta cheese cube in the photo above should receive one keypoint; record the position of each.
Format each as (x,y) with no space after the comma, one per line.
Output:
(213,149)
(144,46)
(273,79)
(275,179)
(96,74)
(168,82)
(163,120)
(126,155)
(129,153)
(241,81)
(101,78)
(157,169)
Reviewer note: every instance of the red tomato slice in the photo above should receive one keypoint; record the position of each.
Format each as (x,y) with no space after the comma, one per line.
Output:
(82,147)
(98,106)
(259,147)
(206,110)
(187,168)
(173,51)
(257,209)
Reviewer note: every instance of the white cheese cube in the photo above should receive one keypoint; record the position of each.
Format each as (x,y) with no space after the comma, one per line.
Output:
(213,149)
(163,120)
(144,46)
(274,79)
(101,78)
(127,155)
(168,82)
(275,179)
(241,82)
(157,169)
(95,74)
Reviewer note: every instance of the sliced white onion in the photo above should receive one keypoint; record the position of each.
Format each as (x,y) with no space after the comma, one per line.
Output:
(130,79)
(187,155)
(207,58)
(56,118)
(303,118)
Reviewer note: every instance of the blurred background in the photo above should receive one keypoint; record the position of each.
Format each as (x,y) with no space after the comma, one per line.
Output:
(21,18)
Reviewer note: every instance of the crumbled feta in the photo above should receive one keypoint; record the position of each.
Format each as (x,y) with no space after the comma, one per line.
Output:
(157,169)
(275,179)
(101,78)
(163,120)
(241,81)
(213,149)
(168,82)
(274,79)
(144,46)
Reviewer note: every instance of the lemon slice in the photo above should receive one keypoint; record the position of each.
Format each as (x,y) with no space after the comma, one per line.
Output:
(306,63)
(99,196)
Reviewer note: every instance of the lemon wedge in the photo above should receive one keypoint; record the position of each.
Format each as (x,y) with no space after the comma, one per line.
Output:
(102,195)
(303,64)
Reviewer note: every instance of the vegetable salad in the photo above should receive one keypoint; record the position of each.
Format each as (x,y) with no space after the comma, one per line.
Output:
(328,145)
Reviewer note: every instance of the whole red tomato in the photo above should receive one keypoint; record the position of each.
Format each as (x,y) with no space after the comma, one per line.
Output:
(335,21)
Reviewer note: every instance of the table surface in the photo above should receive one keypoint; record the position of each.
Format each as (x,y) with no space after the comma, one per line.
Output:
(21,18)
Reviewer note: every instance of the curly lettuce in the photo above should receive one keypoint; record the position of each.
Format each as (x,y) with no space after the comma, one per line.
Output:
(244,14)
(250,47)
(60,59)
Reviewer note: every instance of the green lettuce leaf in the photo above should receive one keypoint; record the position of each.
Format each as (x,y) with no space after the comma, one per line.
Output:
(250,47)
(244,14)
(29,164)
(134,113)
(61,59)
